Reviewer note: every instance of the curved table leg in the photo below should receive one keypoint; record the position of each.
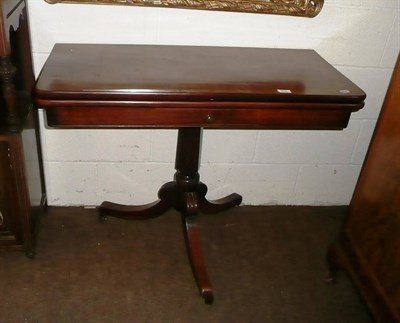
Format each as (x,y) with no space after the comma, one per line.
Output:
(196,201)
(215,206)
(193,246)
(167,197)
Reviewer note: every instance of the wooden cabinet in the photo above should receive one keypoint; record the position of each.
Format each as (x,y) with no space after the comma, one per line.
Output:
(369,247)
(21,180)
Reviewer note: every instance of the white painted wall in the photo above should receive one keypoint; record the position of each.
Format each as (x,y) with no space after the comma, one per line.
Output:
(360,37)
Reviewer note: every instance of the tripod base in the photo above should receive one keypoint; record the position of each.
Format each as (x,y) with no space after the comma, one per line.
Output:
(187,195)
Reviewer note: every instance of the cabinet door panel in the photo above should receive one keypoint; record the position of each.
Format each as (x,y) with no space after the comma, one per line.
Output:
(8,196)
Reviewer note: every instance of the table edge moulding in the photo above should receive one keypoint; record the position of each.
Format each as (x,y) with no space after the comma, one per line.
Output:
(191,88)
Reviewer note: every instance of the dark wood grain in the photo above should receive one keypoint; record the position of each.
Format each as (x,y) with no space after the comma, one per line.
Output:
(21,177)
(179,86)
(370,243)
(164,73)
(217,116)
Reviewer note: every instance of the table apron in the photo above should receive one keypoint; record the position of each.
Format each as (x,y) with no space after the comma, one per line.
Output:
(325,117)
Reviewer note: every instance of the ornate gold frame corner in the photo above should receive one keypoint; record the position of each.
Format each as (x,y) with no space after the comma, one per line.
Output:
(301,8)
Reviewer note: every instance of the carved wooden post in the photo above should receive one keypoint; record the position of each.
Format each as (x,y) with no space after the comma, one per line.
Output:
(7,74)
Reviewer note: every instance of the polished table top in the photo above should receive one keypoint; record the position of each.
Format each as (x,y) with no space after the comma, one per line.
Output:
(184,86)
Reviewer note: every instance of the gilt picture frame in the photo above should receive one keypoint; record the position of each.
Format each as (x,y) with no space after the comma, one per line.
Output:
(301,8)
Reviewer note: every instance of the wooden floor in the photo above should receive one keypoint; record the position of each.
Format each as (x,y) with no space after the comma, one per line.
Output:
(267,264)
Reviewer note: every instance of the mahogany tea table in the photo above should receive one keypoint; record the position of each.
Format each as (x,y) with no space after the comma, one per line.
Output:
(191,88)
